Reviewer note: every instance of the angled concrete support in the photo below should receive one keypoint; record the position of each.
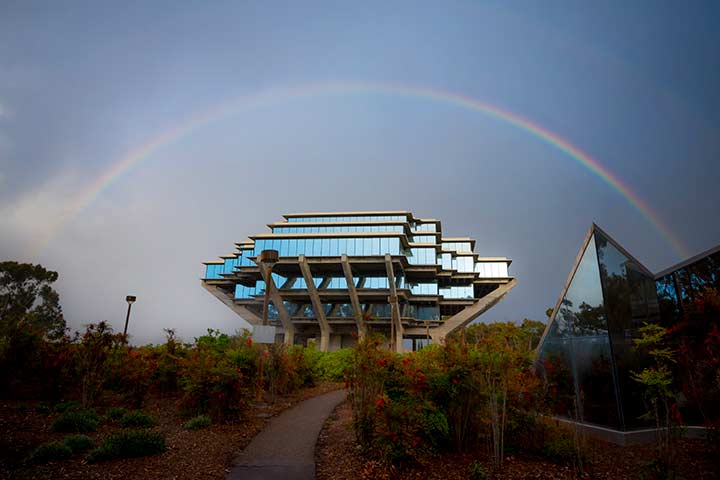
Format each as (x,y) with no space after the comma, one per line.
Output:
(467,315)
(243,312)
(316,303)
(354,300)
(276,299)
(397,340)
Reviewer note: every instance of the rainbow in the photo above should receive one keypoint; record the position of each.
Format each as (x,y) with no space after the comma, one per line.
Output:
(276,95)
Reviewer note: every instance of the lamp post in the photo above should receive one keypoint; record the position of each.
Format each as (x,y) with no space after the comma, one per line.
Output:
(268,258)
(130,299)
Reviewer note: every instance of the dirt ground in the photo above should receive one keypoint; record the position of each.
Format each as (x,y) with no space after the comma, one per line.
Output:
(201,454)
(338,458)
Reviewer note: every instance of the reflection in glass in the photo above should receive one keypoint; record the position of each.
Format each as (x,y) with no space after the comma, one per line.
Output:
(576,353)
(631,301)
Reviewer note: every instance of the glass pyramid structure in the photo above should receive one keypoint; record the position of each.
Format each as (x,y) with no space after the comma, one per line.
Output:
(587,352)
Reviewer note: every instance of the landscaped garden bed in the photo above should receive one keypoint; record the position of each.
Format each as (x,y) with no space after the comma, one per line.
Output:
(338,457)
(202,453)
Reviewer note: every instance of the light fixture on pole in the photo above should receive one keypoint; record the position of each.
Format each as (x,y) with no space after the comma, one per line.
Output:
(268,258)
(130,299)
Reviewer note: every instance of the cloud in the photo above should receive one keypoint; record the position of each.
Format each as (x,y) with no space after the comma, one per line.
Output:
(30,217)
(5,112)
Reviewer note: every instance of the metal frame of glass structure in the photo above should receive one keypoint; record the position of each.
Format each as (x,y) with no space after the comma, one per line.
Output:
(339,274)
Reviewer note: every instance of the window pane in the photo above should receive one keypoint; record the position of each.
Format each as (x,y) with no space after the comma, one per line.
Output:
(384,246)
(395,246)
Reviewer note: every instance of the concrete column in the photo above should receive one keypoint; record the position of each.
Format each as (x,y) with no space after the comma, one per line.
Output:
(316,303)
(276,299)
(354,300)
(395,307)
(470,313)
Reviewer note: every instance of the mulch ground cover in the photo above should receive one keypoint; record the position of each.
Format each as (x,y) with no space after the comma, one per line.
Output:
(199,454)
(338,458)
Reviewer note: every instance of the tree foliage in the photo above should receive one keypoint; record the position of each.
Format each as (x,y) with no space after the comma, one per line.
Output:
(30,316)
(27,301)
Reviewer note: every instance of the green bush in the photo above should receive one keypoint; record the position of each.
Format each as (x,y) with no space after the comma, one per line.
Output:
(50,451)
(78,443)
(80,421)
(115,413)
(42,409)
(212,384)
(138,443)
(63,407)
(306,362)
(333,366)
(137,418)
(196,423)
(478,472)
(560,449)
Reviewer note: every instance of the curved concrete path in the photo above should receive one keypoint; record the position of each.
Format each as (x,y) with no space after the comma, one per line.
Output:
(285,449)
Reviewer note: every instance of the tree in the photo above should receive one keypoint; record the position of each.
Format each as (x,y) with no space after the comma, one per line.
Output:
(30,313)
(657,383)
(27,301)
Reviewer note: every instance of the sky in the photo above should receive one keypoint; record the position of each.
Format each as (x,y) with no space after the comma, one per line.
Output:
(223,114)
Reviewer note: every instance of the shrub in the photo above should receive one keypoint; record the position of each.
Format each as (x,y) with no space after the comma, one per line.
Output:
(63,407)
(455,396)
(92,359)
(168,368)
(560,449)
(137,443)
(50,451)
(42,409)
(281,369)
(80,421)
(137,418)
(212,384)
(478,472)
(133,371)
(334,366)
(115,413)
(196,423)
(78,443)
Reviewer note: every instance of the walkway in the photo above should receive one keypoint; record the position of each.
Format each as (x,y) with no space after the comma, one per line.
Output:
(285,449)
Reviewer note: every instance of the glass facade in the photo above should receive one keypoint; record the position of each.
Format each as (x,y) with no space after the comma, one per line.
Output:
(330,247)
(375,282)
(463,264)
(457,291)
(424,227)
(456,246)
(341,229)
(422,312)
(492,269)
(428,288)
(684,285)
(214,271)
(423,239)
(351,218)
(587,353)
(422,256)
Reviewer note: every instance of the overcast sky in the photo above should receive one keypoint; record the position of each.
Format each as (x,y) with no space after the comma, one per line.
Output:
(83,84)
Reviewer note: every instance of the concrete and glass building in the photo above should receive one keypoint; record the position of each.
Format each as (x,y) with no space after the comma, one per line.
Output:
(339,275)
(587,352)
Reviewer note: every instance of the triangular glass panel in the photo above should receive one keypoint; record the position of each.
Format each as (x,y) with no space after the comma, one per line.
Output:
(576,354)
